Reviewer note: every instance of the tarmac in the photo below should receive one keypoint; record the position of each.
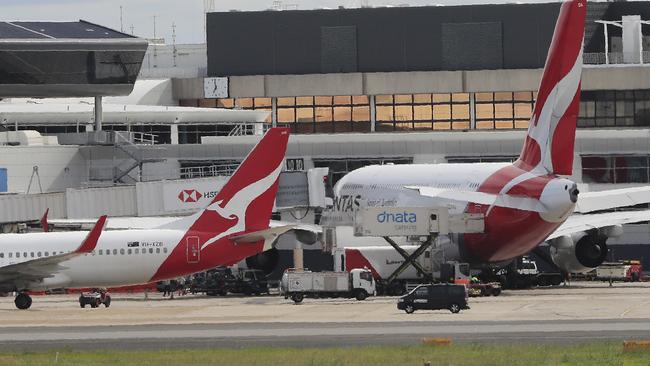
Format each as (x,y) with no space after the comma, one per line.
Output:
(581,312)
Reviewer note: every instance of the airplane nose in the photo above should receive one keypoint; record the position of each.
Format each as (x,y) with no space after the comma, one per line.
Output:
(573,193)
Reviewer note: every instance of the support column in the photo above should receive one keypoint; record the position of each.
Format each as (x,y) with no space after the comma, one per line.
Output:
(373,114)
(98,113)
(472,111)
(174,134)
(274,111)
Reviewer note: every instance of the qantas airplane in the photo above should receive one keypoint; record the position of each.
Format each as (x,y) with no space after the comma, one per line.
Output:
(524,203)
(234,226)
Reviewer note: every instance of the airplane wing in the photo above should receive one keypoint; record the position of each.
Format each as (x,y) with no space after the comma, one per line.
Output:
(606,200)
(489,199)
(40,268)
(577,223)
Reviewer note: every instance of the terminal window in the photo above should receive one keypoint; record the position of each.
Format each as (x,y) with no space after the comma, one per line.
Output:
(422,112)
(614,108)
(615,169)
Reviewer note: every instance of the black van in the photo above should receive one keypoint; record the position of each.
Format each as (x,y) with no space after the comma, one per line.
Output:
(434,297)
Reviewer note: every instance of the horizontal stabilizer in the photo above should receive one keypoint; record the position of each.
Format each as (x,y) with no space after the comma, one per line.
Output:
(266,234)
(605,200)
(489,199)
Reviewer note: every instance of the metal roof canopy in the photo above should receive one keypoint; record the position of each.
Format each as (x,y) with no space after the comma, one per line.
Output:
(67,59)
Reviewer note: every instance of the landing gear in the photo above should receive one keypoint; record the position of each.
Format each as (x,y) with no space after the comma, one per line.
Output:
(23,301)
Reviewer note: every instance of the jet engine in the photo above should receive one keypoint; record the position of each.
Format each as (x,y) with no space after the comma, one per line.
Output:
(582,251)
(266,261)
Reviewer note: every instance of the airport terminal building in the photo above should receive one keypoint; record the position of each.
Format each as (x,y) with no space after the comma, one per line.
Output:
(360,86)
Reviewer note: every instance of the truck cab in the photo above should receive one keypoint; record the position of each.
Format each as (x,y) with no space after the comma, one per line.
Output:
(361,279)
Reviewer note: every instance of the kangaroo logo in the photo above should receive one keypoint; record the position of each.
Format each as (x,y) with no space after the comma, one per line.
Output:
(235,208)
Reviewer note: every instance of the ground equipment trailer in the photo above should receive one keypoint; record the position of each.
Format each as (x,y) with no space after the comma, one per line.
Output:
(629,271)
(357,283)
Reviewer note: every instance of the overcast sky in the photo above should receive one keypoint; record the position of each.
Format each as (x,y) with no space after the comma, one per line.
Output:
(186,14)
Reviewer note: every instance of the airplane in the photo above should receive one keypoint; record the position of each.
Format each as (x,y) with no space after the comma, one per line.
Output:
(524,203)
(234,226)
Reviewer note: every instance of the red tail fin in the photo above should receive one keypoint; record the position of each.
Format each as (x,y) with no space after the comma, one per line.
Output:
(245,202)
(551,133)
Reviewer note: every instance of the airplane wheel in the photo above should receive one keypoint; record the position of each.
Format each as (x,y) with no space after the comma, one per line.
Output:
(23,301)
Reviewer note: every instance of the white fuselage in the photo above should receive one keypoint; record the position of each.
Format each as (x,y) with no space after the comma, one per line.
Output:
(112,263)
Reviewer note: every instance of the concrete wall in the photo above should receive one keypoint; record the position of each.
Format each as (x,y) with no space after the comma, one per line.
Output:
(59,167)
(594,78)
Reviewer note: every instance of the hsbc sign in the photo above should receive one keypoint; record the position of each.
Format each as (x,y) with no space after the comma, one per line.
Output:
(190,195)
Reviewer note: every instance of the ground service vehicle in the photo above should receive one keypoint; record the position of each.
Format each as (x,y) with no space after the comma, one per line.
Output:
(435,297)
(357,283)
(95,298)
(629,270)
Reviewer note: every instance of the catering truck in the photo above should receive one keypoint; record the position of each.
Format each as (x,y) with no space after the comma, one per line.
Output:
(357,283)
(384,262)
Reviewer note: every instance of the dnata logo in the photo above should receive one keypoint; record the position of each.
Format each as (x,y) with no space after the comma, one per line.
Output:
(400,217)
(189,195)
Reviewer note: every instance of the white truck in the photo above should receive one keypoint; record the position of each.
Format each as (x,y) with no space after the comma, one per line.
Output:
(357,283)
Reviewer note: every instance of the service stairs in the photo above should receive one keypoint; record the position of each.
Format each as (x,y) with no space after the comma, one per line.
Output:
(130,152)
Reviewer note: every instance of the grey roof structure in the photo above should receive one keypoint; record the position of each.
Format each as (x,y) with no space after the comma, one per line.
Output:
(58,30)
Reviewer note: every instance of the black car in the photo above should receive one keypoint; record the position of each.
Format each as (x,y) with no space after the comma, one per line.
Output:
(435,297)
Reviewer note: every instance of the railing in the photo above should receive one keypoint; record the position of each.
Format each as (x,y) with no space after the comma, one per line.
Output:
(224,170)
(615,58)
(134,138)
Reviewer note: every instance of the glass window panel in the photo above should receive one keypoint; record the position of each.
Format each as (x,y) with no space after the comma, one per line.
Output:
(404,99)
(635,175)
(262,102)
(503,110)
(442,126)
(422,98)
(631,161)
(523,96)
(403,113)
(605,122)
(323,114)
(441,98)
(343,113)
(361,126)
(207,103)
(598,175)
(521,124)
(423,126)
(385,113)
(484,125)
(286,101)
(460,97)
(460,125)
(605,109)
(342,127)
(483,97)
(460,111)
(325,127)
(304,127)
(361,113)
(503,124)
(403,126)
(305,101)
(442,112)
(384,99)
(244,102)
(360,99)
(342,100)
(484,111)
(423,113)
(523,110)
(304,114)
(384,127)
(286,115)
(503,96)
(322,101)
